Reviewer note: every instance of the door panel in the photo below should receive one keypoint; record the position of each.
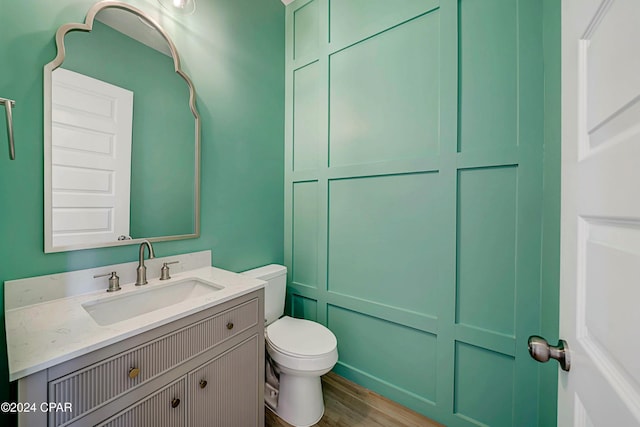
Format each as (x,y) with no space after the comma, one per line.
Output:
(600,260)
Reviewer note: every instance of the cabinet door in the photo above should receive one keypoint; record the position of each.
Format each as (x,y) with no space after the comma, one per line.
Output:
(165,408)
(224,392)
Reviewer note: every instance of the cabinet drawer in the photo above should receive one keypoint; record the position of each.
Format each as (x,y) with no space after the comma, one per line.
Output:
(106,380)
(165,408)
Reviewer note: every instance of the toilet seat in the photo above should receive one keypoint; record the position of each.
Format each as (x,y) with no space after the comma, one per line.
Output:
(301,344)
(300,337)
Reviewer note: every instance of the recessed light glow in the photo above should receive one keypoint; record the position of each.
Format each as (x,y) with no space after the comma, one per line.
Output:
(181,7)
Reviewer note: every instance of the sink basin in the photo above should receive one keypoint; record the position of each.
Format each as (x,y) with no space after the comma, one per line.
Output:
(122,307)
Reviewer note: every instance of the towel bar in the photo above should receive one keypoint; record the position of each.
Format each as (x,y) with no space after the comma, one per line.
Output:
(8,103)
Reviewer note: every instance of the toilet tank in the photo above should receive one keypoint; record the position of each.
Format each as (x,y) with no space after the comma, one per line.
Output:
(274,292)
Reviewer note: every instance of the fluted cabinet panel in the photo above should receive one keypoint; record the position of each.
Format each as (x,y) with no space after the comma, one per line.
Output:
(165,408)
(223,392)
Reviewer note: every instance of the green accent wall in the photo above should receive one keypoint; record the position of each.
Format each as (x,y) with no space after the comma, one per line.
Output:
(233,50)
(415,210)
(550,284)
(162,149)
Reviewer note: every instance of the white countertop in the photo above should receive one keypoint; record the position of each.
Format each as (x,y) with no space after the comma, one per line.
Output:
(45,334)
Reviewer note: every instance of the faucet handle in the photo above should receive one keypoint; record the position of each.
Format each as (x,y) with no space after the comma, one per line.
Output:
(164,271)
(114,281)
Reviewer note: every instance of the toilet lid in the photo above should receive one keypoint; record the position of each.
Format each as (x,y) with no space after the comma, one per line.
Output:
(300,337)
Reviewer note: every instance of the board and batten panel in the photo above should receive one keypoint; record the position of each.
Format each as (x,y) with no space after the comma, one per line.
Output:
(487,249)
(307,126)
(488,74)
(387,342)
(370,121)
(305,234)
(424,194)
(372,16)
(391,222)
(306,28)
(484,386)
(498,212)
(304,308)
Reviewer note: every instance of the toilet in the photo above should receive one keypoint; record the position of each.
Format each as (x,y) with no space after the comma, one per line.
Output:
(298,352)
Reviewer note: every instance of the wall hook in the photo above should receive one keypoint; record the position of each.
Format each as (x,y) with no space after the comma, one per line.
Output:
(8,103)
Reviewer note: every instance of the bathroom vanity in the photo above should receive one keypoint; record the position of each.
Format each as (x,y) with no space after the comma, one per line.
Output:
(196,361)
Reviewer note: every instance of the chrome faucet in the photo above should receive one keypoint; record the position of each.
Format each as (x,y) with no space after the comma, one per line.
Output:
(142,270)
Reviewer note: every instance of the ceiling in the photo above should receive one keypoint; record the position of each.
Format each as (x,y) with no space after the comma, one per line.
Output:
(134,27)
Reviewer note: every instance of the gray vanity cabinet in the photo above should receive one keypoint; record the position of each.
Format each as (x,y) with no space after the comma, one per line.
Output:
(206,369)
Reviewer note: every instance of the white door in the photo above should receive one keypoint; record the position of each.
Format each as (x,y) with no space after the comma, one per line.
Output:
(600,250)
(91,159)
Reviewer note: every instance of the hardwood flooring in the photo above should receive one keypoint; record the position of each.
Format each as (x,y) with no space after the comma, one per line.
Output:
(350,405)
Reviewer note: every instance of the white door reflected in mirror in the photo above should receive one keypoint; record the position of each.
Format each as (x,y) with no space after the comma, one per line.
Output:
(91,159)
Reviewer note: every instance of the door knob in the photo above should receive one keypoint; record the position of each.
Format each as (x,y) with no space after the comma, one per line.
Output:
(541,351)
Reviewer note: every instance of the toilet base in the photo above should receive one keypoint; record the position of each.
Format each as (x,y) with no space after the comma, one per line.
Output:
(300,401)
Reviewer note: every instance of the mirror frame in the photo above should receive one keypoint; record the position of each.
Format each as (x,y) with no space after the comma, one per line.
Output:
(87,26)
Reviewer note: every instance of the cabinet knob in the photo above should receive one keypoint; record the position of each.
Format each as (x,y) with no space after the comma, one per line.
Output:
(203,383)
(175,402)
(133,372)
(230,325)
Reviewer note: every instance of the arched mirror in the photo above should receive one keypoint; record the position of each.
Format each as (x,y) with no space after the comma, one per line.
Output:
(122,135)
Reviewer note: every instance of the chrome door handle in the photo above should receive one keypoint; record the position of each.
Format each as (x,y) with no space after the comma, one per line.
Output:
(541,351)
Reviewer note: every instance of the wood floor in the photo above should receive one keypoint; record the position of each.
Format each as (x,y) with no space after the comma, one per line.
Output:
(350,405)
